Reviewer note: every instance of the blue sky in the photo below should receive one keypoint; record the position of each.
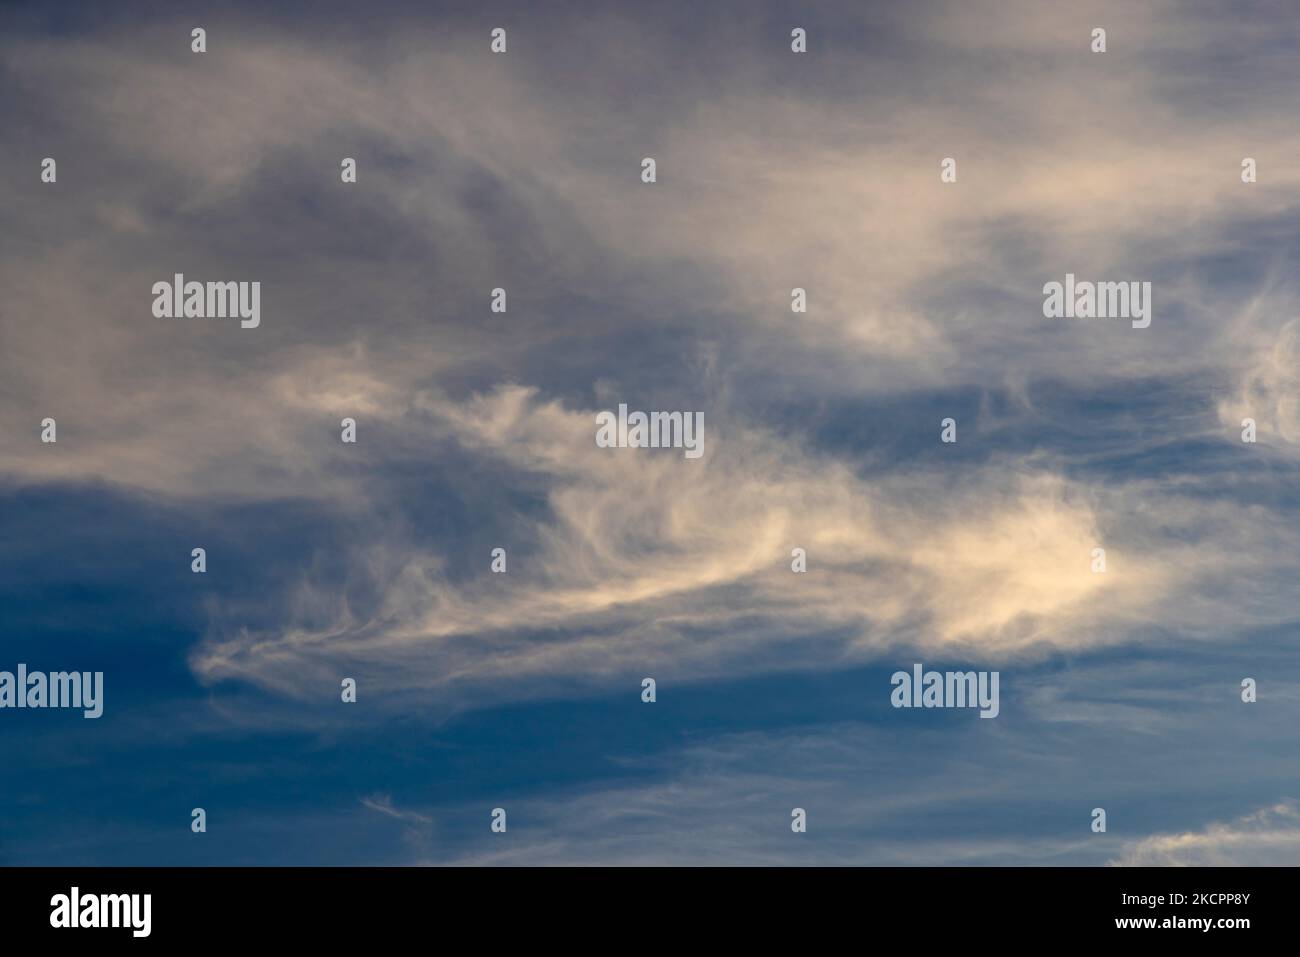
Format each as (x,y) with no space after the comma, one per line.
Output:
(822,431)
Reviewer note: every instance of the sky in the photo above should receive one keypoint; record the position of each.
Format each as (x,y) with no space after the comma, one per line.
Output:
(475,430)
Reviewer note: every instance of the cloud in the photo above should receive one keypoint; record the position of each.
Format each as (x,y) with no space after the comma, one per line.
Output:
(1269,837)
(625,561)
(821,429)
(728,799)
(1269,391)
(642,559)
(417,836)
(478,173)
(383,803)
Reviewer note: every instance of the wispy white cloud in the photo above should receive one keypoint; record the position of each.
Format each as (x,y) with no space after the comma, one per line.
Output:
(635,552)
(383,804)
(1269,837)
